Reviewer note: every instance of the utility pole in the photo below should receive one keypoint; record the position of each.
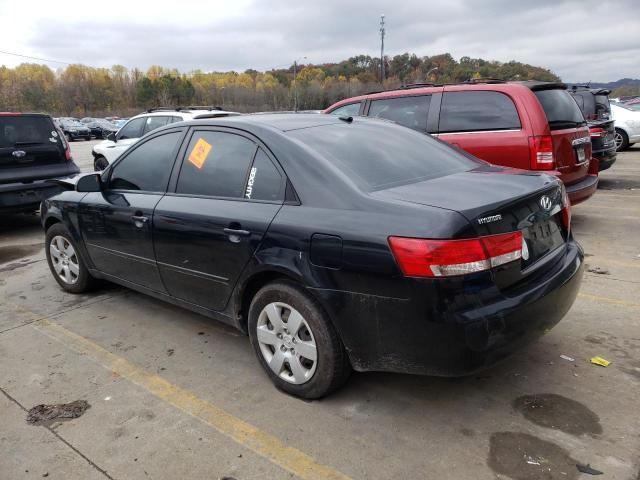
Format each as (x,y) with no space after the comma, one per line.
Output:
(382,48)
(295,86)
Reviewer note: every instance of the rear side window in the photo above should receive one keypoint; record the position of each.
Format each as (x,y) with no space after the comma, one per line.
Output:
(154,122)
(561,109)
(147,168)
(377,155)
(265,181)
(477,111)
(347,110)
(603,107)
(133,129)
(408,111)
(20,130)
(216,164)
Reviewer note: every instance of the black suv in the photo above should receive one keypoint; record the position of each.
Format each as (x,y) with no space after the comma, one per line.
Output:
(32,151)
(594,103)
(73,129)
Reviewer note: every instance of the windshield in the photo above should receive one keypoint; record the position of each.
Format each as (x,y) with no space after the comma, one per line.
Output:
(25,130)
(378,155)
(72,123)
(561,109)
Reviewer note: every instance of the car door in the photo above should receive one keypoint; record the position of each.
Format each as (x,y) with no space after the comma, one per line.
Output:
(485,124)
(126,136)
(225,195)
(116,222)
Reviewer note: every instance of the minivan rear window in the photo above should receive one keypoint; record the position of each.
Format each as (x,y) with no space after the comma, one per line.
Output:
(561,109)
(377,155)
(26,130)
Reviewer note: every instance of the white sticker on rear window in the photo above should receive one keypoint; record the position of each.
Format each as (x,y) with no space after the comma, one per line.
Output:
(252,179)
(54,134)
(53,139)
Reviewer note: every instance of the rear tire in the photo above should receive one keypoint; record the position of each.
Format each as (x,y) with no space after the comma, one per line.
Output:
(295,341)
(622,140)
(100,163)
(65,262)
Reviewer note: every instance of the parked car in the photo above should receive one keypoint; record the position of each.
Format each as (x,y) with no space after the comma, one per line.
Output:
(101,128)
(107,151)
(627,124)
(595,105)
(32,151)
(301,230)
(529,125)
(73,129)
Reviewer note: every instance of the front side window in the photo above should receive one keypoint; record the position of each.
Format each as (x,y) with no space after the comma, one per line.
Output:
(147,167)
(408,111)
(477,111)
(133,129)
(347,110)
(216,164)
(154,122)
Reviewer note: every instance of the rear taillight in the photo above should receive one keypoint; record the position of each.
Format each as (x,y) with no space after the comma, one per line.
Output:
(541,148)
(418,257)
(566,208)
(597,132)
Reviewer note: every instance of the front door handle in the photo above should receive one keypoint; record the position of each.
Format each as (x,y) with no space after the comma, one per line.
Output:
(235,234)
(139,220)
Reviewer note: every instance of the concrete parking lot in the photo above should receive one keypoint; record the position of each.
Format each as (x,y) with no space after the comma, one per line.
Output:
(176,395)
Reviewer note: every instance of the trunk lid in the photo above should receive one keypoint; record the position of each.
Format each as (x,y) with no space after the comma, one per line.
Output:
(569,132)
(29,141)
(496,200)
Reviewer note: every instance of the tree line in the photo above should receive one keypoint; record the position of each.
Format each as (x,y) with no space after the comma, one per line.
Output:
(80,90)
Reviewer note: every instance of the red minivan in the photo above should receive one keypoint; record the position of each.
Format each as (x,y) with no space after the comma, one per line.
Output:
(528,125)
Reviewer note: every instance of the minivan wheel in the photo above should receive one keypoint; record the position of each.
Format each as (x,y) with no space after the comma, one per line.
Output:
(622,140)
(65,263)
(295,342)
(100,163)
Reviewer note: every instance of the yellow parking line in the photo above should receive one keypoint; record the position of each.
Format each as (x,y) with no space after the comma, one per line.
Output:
(608,300)
(247,435)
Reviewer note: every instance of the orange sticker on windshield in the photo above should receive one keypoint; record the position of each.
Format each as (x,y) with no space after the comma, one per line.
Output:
(200,153)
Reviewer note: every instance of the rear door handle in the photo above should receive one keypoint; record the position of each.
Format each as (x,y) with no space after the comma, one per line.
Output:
(139,220)
(235,234)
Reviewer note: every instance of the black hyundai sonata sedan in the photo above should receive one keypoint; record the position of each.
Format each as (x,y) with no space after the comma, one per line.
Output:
(335,243)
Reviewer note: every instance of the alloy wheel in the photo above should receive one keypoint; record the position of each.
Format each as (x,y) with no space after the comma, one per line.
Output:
(64,259)
(619,140)
(287,343)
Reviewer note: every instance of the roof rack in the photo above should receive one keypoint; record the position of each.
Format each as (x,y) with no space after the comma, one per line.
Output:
(201,107)
(485,80)
(407,86)
(163,109)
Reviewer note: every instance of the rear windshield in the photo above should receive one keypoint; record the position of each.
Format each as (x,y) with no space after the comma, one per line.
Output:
(561,109)
(24,130)
(602,104)
(378,155)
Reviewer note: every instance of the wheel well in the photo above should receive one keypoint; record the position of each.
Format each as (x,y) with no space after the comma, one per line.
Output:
(254,284)
(50,222)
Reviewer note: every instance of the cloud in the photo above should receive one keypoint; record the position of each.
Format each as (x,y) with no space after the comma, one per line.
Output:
(579,40)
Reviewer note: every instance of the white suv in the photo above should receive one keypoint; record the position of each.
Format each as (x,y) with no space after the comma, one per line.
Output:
(105,152)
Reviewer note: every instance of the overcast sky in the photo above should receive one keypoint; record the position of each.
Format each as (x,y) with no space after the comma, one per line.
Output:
(583,40)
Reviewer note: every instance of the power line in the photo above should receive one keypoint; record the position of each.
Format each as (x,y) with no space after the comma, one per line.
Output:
(35,58)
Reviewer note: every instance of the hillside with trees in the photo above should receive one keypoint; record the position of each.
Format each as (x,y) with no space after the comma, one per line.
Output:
(81,90)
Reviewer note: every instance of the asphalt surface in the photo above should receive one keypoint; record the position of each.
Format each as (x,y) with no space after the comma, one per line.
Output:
(176,395)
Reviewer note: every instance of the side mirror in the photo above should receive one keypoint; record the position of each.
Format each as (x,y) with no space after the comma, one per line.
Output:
(89,183)
(112,137)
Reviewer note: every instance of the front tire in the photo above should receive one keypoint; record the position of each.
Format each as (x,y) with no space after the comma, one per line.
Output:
(100,163)
(65,262)
(295,341)
(622,140)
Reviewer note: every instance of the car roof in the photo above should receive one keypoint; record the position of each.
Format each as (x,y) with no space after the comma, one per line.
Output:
(282,122)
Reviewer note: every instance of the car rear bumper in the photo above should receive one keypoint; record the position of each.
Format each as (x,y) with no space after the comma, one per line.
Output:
(16,197)
(437,338)
(606,158)
(582,190)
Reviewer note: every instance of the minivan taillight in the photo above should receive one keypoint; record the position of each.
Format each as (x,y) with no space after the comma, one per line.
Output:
(566,209)
(541,148)
(597,132)
(419,257)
